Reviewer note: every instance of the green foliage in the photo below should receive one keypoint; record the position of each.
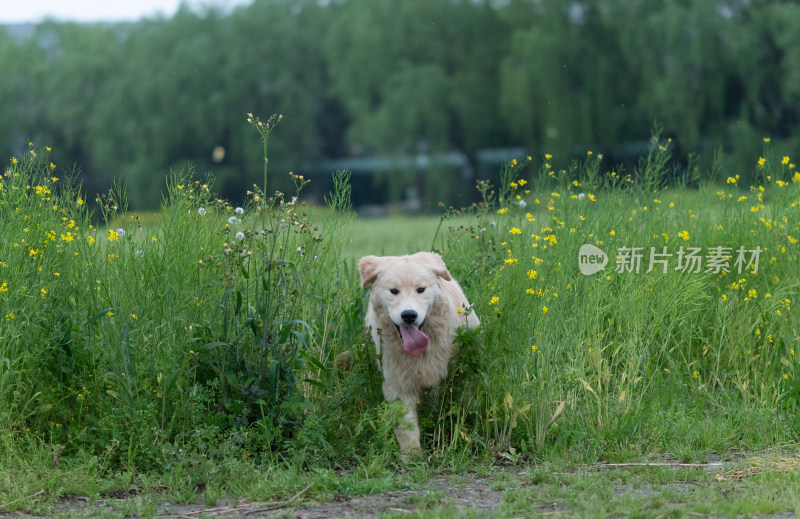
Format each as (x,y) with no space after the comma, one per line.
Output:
(360,77)
(231,335)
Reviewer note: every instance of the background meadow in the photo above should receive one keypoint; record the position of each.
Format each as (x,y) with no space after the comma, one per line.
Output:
(212,335)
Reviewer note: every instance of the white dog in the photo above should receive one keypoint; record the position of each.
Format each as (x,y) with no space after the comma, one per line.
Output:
(414,310)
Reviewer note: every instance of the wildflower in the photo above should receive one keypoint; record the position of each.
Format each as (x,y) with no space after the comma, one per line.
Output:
(113,235)
(581,196)
(545,310)
(239,211)
(766,140)
(494,300)
(201,211)
(761,162)
(110,313)
(510,261)
(4,287)
(531,274)
(547,156)
(612,233)
(591,197)
(785,160)
(502,211)
(522,204)
(240,236)
(514,230)
(234,221)
(534,349)
(684,235)
(530,291)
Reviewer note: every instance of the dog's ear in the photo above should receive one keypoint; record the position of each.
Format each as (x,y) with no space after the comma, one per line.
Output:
(368,268)
(436,263)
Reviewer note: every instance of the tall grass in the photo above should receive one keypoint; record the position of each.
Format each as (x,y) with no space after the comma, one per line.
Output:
(237,332)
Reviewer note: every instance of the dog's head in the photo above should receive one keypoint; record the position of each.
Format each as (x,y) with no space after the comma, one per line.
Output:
(405,287)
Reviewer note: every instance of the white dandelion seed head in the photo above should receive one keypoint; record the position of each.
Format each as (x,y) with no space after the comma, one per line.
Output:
(201,211)
(239,211)
(240,236)
(581,196)
(121,232)
(234,221)
(522,204)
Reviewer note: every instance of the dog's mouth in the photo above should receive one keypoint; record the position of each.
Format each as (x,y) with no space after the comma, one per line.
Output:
(414,340)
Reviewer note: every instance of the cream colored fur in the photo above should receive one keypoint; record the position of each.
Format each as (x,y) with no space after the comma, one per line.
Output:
(419,283)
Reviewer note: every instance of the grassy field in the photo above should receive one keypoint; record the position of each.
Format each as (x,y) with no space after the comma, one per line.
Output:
(192,355)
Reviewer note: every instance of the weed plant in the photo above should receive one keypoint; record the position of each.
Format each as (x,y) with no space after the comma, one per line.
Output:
(235,333)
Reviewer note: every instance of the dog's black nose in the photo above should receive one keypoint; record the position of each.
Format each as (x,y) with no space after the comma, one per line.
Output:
(409,316)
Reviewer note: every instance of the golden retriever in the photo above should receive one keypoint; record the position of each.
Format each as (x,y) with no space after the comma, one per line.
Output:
(415,308)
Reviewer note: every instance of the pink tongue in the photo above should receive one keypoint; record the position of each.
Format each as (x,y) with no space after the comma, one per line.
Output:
(414,341)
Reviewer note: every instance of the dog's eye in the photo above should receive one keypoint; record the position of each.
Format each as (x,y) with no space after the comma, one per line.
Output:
(420,290)
(394,291)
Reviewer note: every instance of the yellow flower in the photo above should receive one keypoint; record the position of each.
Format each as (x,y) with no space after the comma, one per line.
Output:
(612,233)
(766,139)
(510,261)
(502,211)
(4,287)
(134,316)
(684,235)
(110,313)
(514,230)
(547,156)
(545,310)
(530,291)
(531,274)
(785,160)
(494,300)
(761,162)
(534,349)
(113,235)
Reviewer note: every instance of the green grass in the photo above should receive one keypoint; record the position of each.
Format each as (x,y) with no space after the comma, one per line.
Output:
(194,353)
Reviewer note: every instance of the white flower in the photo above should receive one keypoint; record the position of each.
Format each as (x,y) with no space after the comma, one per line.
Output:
(522,204)
(581,196)
(240,236)
(201,211)
(234,221)
(239,211)
(228,250)
(294,199)
(121,232)
(300,251)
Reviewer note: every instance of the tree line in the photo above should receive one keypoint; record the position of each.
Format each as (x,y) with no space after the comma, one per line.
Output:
(398,77)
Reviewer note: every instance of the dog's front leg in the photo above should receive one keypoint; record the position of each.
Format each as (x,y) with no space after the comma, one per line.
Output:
(408,432)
